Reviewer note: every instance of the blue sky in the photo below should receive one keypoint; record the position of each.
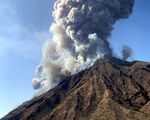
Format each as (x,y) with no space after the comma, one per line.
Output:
(134,32)
(24,26)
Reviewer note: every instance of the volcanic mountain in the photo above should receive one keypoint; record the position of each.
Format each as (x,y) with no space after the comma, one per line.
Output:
(111,89)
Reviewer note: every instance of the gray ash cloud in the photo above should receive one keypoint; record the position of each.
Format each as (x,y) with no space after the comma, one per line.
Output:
(80,36)
(126,52)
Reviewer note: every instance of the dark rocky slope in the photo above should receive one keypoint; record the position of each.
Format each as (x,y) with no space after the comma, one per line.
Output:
(109,90)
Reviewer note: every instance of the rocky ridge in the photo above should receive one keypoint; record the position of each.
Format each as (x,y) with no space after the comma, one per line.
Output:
(110,89)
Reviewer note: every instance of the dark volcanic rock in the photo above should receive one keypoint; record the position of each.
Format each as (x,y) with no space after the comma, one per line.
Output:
(111,89)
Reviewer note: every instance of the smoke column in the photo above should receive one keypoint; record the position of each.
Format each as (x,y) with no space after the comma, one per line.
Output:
(126,52)
(80,31)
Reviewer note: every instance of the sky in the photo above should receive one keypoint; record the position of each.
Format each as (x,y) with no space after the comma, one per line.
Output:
(24,28)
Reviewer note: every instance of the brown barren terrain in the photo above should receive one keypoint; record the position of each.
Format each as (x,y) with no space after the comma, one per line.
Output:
(111,89)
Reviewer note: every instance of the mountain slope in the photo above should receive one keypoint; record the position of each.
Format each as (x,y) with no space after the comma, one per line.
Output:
(110,89)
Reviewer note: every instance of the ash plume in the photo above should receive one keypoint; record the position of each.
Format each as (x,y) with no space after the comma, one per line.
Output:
(126,52)
(80,32)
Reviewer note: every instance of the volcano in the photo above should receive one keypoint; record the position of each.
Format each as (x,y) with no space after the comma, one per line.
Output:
(111,89)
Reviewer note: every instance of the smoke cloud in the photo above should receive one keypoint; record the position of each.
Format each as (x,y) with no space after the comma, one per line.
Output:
(80,31)
(126,52)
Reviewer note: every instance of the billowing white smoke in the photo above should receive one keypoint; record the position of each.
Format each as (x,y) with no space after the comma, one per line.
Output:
(80,31)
